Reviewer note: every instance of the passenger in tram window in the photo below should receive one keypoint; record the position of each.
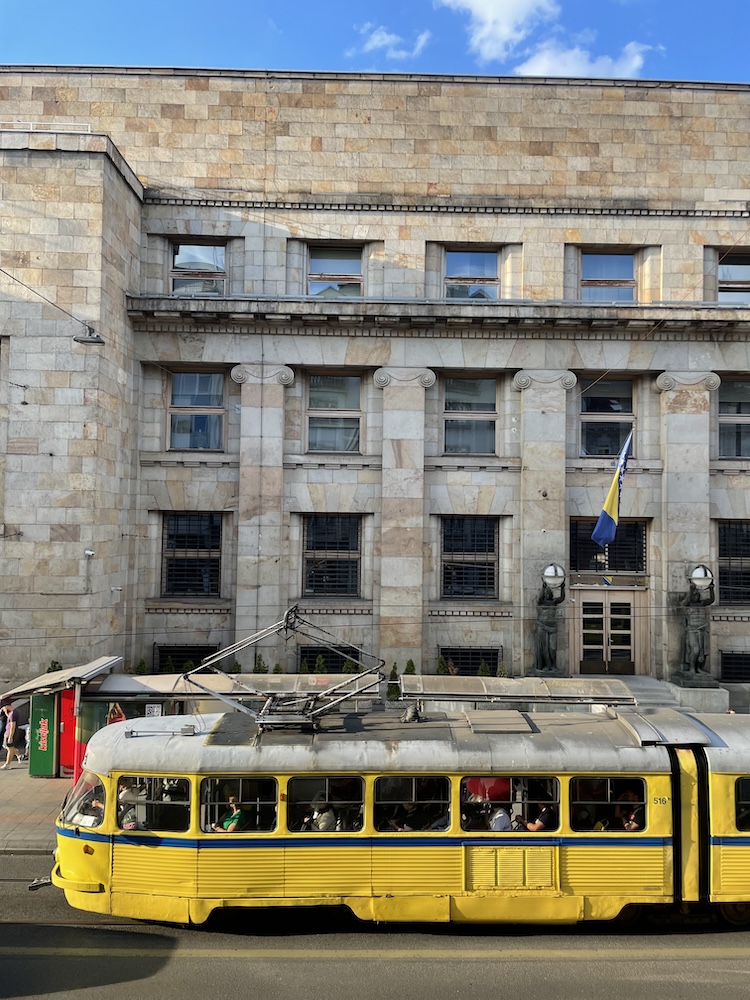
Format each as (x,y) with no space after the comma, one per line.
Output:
(232,820)
(320,818)
(499,820)
(409,817)
(629,811)
(546,820)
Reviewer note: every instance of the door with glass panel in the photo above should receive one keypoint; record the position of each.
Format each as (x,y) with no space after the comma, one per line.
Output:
(607,631)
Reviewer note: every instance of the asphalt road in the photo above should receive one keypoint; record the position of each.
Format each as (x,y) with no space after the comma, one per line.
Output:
(49,950)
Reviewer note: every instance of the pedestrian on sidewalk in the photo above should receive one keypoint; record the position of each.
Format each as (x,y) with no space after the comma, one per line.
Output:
(13,741)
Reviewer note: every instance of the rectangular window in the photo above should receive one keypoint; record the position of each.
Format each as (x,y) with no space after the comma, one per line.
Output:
(334,413)
(734,419)
(469,557)
(246,805)
(501,803)
(332,555)
(177,659)
(734,278)
(322,660)
(334,272)
(606,415)
(198,269)
(405,803)
(607,277)
(153,803)
(734,562)
(318,804)
(627,554)
(196,411)
(471,274)
(191,555)
(465,432)
(742,803)
(735,668)
(470,661)
(608,804)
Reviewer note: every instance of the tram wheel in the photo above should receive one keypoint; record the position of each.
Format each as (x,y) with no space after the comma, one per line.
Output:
(736,914)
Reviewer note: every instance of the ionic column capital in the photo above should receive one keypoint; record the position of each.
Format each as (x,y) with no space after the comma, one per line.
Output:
(257,374)
(385,376)
(528,378)
(686,380)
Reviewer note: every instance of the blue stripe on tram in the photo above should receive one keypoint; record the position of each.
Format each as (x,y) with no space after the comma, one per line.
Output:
(219,842)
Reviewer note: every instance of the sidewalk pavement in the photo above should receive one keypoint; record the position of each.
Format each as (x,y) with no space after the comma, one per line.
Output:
(28,810)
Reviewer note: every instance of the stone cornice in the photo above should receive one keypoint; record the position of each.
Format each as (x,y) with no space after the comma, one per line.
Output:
(453,206)
(686,380)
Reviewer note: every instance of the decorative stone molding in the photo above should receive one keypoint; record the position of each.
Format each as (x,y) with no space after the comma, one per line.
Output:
(525,379)
(692,380)
(256,374)
(384,376)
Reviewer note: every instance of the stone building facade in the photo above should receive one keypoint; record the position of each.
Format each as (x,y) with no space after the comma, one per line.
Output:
(371,346)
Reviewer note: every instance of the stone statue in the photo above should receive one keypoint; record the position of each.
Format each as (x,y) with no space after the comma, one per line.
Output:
(545,661)
(695,651)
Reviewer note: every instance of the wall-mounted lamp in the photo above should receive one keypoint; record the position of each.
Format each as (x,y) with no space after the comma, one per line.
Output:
(88,552)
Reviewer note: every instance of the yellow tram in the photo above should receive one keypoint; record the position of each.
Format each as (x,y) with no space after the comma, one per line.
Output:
(484,816)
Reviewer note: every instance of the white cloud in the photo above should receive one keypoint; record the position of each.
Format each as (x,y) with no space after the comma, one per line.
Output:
(496,27)
(379,39)
(552,59)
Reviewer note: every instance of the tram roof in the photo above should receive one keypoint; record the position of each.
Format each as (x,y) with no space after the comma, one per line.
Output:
(377,741)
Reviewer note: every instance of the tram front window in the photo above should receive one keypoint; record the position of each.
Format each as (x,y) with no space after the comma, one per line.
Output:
(239,805)
(325,804)
(404,804)
(85,804)
(607,804)
(150,802)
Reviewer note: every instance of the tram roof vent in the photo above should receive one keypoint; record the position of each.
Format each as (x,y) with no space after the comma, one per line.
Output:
(517,690)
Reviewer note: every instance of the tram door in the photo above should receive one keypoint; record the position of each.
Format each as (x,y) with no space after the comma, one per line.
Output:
(607,631)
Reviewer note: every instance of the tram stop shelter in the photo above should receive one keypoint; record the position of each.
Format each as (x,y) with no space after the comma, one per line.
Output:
(62,720)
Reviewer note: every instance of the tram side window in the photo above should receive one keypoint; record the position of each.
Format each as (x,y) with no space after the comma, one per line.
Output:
(153,803)
(608,804)
(256,799)
(85,804)
(503,803)
(325,804)
(742,803)
(404,804)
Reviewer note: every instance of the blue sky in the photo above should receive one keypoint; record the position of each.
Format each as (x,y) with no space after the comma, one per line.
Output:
(645,39)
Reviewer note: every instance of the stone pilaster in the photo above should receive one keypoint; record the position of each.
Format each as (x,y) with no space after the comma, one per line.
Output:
(259,529)
(402,517)
(543,525)
(686,529)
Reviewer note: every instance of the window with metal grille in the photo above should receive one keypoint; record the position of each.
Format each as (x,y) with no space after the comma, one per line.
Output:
(466,432)
(608,277)
(734,562)
(734,419)
(627,554)
(469,557)
(334,413)
(734,278)
(735,667)
(191,555)
(198,269)
(320,659)
(334,272)
(471,274)
(606,415)
(196,411)
(467,661)
(332,555)
(172,659)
